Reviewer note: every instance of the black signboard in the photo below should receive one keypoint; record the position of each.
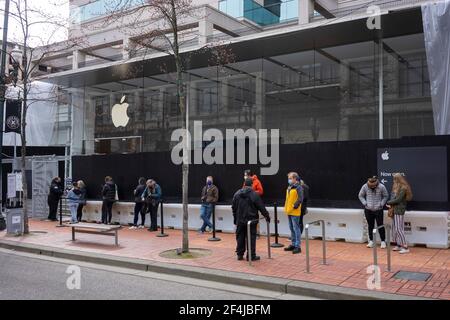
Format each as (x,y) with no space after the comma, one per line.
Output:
(425,168)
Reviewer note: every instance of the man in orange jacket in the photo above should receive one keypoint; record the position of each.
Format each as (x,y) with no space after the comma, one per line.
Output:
(257,185)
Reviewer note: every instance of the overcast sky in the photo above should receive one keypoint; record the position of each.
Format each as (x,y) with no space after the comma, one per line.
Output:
(42,33)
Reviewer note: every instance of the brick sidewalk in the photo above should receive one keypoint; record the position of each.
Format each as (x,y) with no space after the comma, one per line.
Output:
(347,263)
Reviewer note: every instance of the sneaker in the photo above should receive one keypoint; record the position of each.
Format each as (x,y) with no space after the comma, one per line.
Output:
(403,250)
(397,248)
(297,251)
(132,228)
(290,248)
(370,244)
(141,227)
(200,232)
(383,245)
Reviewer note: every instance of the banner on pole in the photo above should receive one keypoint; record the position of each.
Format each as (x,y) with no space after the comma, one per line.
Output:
(12,116)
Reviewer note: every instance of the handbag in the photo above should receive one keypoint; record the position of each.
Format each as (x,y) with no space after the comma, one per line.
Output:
(391,212)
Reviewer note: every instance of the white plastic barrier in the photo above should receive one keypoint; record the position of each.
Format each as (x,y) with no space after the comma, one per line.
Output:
(341,224)
(92,211)
(427,228)
(421,227)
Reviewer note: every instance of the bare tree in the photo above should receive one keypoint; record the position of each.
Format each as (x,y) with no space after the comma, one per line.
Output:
(27,17)
(160,26)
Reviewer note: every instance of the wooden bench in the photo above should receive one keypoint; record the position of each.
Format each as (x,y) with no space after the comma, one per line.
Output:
(91,228)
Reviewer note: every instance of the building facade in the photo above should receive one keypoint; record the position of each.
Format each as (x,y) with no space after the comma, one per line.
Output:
(314,70)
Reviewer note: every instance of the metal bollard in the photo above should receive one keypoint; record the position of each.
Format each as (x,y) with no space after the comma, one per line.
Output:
(388,247)
(214,238)
(276,244)
(249,242)
(324,244)
(162,234)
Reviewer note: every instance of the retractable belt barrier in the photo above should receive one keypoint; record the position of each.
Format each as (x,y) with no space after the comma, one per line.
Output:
(388,240)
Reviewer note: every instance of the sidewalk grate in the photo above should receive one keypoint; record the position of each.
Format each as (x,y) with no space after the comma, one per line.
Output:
(414,276)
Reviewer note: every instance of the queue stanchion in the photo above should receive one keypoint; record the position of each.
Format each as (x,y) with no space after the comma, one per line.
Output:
(60,213)
(162,234)
(214,238)
(276,244)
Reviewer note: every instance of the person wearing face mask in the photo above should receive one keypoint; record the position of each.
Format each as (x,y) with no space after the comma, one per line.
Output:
(293,208)
(374,196)
(210,196)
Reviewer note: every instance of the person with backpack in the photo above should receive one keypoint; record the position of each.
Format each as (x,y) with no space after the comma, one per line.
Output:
(293,208)
(139,205)
(246,205)
(109,194)
(54,196)
(304,212)
(152,196)
(401,195)
(73,201)
(373,196)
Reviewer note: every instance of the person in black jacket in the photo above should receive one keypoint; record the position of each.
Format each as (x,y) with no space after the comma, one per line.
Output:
(304,212)
(109,197)
(139,205)
(54,196)
(83,192)
(246,204)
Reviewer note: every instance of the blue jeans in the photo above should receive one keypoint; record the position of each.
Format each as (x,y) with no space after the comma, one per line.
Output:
(296,234)
(205,214)
(74,212)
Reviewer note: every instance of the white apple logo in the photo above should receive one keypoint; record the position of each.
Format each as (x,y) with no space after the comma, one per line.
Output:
(119,114)
(385,156)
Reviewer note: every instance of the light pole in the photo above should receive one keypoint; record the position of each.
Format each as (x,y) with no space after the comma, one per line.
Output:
(3,91)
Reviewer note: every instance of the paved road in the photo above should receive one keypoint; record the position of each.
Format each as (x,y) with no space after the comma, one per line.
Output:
(24,276)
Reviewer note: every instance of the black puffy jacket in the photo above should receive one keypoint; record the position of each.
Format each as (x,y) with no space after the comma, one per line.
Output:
(55,192)
(109,191)
(246,204)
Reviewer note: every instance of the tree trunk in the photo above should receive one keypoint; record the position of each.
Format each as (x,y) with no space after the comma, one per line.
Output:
(23,137)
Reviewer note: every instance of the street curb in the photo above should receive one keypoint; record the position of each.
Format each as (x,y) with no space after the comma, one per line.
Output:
(283,286)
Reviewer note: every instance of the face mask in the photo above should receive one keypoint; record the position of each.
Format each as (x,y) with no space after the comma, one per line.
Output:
(290,182)
(209,183)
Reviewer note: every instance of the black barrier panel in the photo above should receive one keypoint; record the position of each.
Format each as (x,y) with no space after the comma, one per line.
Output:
(335,172)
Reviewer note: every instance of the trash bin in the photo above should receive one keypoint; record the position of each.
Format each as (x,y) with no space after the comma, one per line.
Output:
(14,222)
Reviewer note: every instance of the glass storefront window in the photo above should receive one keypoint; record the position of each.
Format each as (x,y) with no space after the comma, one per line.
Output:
(321,94)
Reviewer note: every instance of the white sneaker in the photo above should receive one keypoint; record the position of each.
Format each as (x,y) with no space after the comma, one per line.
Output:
(133,228)
(141,227)
(383,245)
(397,248)
(403,251)
(370,244)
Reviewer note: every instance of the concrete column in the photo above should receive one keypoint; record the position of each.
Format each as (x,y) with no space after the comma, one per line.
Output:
(78,57)
(205,30)
(78,119)
(305,10)
(260,103)
(129,46)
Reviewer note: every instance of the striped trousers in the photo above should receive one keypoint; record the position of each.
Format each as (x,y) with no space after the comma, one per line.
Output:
(399,231)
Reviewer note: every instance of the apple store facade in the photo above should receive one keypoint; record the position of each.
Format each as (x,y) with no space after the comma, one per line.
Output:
(326,88)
